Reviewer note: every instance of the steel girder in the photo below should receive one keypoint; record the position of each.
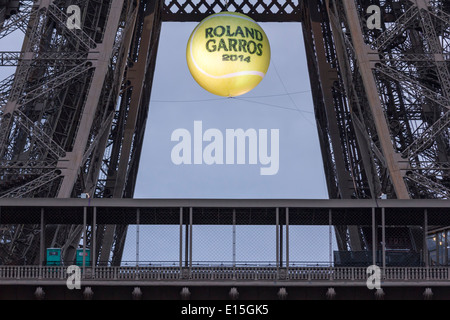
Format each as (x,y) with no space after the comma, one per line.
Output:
(123,145)
(380,96)
(380,100)
(57,108)
(396,82)
(405,67)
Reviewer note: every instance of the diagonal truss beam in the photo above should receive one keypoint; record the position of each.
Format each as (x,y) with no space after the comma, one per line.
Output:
(14,58)
(390,33)
(39,134)
(436,187)
(362,55)
(413,85)
(427,137)
(78,34)
(17,21)
(28,188)
(48,86)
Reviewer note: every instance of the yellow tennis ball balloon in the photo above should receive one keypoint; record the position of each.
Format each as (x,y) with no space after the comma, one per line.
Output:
(228,54)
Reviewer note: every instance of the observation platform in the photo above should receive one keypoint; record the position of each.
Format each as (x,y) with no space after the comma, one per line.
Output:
(277,279)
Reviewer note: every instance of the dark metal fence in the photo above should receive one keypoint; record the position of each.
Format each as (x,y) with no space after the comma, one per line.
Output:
(231,233)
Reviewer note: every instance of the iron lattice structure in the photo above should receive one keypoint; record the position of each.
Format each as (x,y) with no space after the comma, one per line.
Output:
(73,115)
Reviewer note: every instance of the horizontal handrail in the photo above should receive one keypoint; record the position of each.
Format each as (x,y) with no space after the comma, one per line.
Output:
(269,273)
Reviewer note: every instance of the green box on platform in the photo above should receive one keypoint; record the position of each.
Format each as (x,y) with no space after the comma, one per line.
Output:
(53,256)
(79,258)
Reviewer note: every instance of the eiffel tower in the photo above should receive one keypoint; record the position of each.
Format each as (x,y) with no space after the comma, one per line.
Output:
(73,115)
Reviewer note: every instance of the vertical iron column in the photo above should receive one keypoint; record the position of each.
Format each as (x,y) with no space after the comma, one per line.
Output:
(366,59)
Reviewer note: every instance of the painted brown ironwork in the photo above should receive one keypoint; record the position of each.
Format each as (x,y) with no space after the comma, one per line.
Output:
(259,10)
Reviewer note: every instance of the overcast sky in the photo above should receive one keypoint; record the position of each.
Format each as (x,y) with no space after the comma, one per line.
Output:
(281,101)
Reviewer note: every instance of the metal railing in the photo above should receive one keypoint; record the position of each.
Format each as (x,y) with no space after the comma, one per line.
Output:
(220,273)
